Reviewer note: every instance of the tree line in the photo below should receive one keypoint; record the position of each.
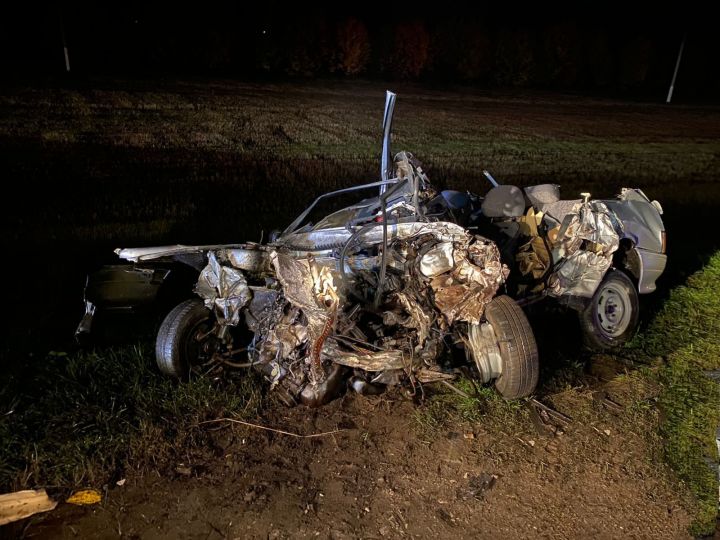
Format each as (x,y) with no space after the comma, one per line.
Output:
(564,54)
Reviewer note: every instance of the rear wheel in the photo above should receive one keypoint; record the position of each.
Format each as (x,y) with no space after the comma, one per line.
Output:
(611,318)
(504,348)
(185,339)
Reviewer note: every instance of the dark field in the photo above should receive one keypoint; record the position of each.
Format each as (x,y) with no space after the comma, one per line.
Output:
(113,164)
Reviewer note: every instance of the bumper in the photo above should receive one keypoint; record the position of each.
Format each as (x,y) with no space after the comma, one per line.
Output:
(652,265)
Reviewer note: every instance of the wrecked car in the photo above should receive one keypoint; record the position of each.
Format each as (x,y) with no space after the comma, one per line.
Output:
(388,291)
(592,255)
(407,286)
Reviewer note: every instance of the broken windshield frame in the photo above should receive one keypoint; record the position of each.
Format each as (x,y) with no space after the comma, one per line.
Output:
(299,220)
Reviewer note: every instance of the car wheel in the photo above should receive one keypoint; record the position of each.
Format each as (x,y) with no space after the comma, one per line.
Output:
(184,339)
(507,352)
(611,318)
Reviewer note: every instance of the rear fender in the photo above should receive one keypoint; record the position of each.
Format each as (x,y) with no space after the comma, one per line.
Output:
(124,286)
(119,288)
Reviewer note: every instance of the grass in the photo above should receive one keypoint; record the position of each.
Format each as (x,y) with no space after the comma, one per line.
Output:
(88,417)
(686,334)
(446,410)
(115,163)
(123,145)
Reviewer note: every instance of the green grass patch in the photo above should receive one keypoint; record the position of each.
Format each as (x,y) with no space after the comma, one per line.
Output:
(88,417)
(446,410)
(686,333)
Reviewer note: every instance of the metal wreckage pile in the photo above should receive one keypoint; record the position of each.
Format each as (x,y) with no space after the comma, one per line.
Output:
(574,253)
(378,293)
(317,316)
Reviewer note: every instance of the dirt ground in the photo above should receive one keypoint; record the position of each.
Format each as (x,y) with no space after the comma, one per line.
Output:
(379,478)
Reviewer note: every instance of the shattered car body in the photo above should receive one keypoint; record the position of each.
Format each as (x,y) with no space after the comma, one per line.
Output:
(595,256)
(406,287)
(377,301)
(388,291)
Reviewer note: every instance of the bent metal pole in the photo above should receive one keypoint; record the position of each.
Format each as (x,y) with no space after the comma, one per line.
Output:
(385,173)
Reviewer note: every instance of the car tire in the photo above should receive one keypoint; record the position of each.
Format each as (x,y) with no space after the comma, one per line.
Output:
(612,316)
(518,349)
(176,346)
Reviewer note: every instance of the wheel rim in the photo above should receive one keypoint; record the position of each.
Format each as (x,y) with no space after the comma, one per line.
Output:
(484,350)
(201,345)
(613,310)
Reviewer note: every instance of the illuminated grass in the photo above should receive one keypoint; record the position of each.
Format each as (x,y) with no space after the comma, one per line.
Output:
(686,333)
(88,417)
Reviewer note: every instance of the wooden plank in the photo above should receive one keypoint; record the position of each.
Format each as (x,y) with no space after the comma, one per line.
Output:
(22,504)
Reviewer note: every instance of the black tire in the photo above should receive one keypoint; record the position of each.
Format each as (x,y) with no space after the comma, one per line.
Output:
(176,346)
(611,318)
(520,365)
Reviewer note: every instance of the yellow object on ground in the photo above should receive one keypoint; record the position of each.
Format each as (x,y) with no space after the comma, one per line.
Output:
(85,497)
(22,504)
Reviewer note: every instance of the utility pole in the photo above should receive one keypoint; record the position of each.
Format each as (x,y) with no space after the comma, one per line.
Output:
(65,49)
(677,66)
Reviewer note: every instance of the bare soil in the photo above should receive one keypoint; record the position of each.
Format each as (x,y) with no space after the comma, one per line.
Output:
(381,478)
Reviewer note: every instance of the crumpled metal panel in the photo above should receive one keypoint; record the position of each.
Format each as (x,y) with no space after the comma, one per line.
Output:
(310,288)
(591,222)
(580,274)
(335,237)
(463,293)
(460,302)
(437,260)
(286,335)
(372,361)
(224,289)
(250,260)
(586,243)
(296,278)
(418,318)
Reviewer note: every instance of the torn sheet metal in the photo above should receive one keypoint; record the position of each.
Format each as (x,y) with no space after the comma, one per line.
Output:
(419,319)
(311,289)
(249,260)
(296,278)
(463,293)
(590,223)
(580,274)
(584,248)
(224,289)
(371,361)
(437,260)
